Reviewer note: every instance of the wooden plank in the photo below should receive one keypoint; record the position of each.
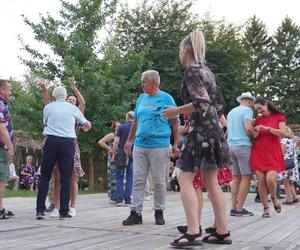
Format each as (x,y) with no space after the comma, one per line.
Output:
(98,225)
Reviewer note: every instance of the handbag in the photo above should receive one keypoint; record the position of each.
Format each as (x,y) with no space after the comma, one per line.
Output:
(289,164)
(121,159)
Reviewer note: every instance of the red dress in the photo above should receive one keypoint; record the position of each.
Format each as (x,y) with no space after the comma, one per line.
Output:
(266,153)
(224,176)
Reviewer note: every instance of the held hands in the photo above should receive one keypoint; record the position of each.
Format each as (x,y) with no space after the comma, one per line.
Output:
(109,151)
(113,158)
(175,151)
(169,112)
(261,127)
(127,147)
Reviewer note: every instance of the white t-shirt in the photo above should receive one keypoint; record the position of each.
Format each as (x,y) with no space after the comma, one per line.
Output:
(12,169)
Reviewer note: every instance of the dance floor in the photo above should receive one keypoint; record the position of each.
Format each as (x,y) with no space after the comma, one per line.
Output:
(98,225)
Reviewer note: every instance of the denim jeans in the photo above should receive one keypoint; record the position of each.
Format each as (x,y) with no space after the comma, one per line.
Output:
(122,194)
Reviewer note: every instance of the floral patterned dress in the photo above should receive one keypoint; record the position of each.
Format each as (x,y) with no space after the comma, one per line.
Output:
(28,180)
(290,153)
(77,161)
(205,146)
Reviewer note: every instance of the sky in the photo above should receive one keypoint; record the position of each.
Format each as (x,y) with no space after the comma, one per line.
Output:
(271,12)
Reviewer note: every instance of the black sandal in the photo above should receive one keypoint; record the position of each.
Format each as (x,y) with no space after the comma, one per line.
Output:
(266,214)
(3,216)
(183,229)
(220,238)
(277,206)
(190,240)
(210,230)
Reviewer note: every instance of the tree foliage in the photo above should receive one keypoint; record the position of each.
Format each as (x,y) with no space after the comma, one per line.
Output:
(145,37)
(153,32)
(257,46)
(75,44)
(285,68)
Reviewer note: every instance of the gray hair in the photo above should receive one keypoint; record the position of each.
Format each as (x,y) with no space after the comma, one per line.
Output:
(152,75)
(29,157)
(130,116)
(59,93)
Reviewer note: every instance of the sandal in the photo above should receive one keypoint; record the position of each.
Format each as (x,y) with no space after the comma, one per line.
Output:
(288,203)
(183,229)
(190,240)
(9,213)
(3,216)
(266,214)
(295,200)
(210,230)
(220,238)
(277,206)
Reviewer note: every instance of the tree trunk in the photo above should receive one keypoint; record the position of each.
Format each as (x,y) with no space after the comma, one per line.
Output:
(91,172)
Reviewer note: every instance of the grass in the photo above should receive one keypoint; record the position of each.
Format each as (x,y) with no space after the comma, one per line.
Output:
(28,193)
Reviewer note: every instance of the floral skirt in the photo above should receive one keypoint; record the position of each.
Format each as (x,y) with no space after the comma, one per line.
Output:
(203,153)
(77,162)
(290,174)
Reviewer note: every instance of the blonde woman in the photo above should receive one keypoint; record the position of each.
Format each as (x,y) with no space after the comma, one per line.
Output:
(205,148)
(289,176)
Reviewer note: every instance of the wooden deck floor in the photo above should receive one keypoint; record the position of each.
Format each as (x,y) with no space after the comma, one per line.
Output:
(98,226)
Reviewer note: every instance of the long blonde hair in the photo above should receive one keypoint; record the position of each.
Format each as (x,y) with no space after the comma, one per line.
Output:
(195,42)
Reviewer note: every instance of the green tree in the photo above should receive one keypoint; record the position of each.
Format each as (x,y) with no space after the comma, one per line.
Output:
(74,42)
(26,107)
(257,45)
(226,57)
(152,32)
(285,68)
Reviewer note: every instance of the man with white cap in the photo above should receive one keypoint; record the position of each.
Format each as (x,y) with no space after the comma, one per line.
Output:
(240,128)
(59,118)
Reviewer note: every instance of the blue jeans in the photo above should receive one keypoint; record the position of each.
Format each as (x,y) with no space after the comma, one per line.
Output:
(120,193)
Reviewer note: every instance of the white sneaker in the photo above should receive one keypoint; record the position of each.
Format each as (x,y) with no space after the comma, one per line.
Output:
(55,213)
(72,211)
(147,198)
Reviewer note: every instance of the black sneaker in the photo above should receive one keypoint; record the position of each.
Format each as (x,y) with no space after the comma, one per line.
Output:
(40,215)
(159,217)
(65,216)
(257,199)
(279,197)
(134,218)
(50,208)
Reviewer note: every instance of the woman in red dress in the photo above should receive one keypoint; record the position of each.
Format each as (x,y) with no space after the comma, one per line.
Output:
(266,155)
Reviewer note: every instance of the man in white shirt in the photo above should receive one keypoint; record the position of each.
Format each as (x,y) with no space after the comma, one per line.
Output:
(13,179)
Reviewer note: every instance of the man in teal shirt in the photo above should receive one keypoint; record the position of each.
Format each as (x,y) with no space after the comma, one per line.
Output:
(151,151)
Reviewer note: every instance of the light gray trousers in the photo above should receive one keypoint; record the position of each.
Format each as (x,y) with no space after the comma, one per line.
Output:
(156,160)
